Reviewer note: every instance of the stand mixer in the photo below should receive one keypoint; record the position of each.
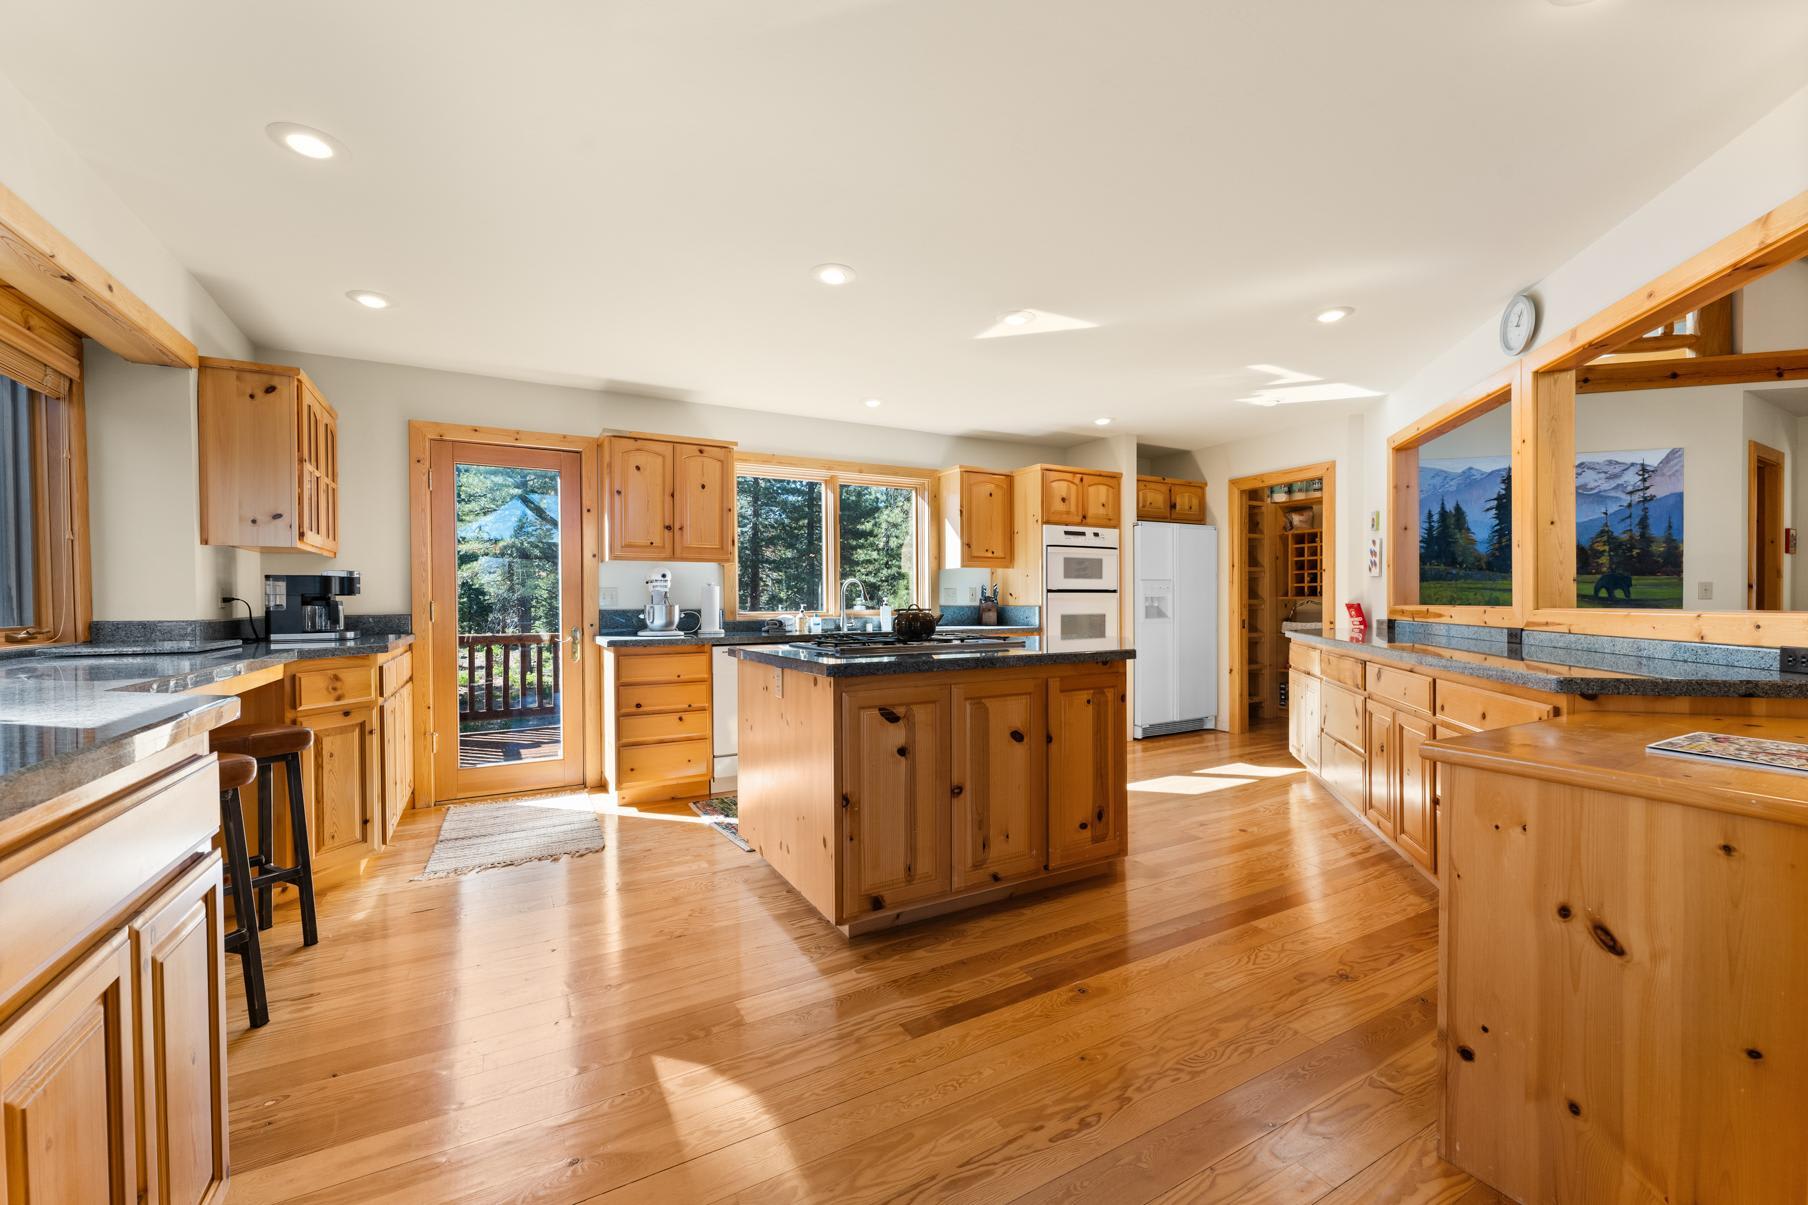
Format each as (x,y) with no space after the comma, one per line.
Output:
(660,617)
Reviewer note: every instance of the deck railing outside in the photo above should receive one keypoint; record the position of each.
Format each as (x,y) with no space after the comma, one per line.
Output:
(508,676)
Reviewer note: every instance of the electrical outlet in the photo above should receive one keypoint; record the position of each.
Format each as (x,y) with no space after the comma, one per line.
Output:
(1704,590)
(1795,661)
(972,594)
(611,596)
(951,595)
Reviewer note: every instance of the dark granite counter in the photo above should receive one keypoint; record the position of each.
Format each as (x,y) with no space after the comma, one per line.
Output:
(1576,672)
(66,720)
(628,640)
(829,666)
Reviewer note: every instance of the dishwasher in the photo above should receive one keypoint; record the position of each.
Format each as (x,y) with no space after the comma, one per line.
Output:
(724,720)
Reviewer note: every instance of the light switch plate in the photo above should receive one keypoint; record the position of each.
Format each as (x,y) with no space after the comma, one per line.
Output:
(951,595)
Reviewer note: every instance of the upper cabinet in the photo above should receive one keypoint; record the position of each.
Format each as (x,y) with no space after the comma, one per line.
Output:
(1170,500)
(269,459)
(1076,497)
(669,500)
(976,518)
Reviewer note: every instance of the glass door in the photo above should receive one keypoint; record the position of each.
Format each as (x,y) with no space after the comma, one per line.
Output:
(508,698)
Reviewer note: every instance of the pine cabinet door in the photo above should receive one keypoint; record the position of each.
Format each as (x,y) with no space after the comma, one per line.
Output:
(1099,500)
(640,499)
(1086,755)
(895,793)
(1062,501)
(68,1091)
(342,779)
(705,502)
(1383,771)
(1417,834)
(1000,814)
(985,502)
(1188,502)
(1154,500)
(181,991)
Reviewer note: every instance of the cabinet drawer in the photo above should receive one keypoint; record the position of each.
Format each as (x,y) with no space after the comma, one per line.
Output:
(632,668)
(1344,771)
(1347,670)
(1400,687)
(1342,712)
(1481,709)
(659,763)
(670,696)
(638,729)
(1303,657)
(310,688)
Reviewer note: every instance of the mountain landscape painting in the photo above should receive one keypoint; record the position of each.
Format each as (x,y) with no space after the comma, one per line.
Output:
(1466,531)
(1629,528)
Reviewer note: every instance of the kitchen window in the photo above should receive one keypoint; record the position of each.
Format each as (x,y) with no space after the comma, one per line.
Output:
(44,571)
(827,539)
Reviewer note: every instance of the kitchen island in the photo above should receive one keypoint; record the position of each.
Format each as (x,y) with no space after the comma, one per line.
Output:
(887,789)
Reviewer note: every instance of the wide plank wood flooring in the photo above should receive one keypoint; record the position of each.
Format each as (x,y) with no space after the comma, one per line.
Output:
(1247,1013)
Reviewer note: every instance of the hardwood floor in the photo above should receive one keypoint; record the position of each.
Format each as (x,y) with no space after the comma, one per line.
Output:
(1247,1014)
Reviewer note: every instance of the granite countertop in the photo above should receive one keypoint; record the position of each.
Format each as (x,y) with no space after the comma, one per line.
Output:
(610,640)
(67,720)
(829,666)
(1577,673)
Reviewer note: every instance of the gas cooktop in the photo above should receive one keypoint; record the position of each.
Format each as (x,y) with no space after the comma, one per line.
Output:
(887,644)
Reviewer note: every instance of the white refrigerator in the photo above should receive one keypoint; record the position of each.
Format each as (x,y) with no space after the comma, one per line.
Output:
(1176,615)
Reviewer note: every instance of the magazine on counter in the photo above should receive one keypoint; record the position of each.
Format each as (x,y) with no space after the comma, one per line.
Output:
(1786,756)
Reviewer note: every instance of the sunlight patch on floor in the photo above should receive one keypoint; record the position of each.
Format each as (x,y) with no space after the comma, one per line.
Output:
(1243,769)
(1185,784)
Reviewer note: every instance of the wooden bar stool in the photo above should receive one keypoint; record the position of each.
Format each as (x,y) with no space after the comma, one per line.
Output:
(238,771)
(268,744)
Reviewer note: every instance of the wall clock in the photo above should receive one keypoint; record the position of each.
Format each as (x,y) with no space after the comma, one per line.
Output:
(1518,322)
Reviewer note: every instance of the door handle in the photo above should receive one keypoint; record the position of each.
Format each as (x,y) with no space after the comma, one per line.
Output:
(577,643)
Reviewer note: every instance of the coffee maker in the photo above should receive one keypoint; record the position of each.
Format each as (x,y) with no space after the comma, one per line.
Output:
(304,608)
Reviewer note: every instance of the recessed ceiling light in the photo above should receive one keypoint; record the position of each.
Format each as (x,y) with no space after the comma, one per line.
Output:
(832,274)
(873,403)
(1101,422)
(303,140)
(370,300)
(1019,318)
(1336,313)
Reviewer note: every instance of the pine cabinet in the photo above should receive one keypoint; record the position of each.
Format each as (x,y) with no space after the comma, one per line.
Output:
(269,459)
(976,507)
(1087,804)
(1170,500)
(1415,799)
(396,734)
(68,1091)
(178,953)
(1078,498)
(1000,761)
(896,795)
(340,775)
(1382,772)
(669,500)
(1303,721)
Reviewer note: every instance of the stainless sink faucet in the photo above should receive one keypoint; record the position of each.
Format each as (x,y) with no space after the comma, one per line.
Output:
(854,581)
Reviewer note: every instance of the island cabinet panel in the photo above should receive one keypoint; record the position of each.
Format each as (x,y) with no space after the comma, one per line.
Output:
(178,947)
(704,499)
(1087,805)
(896,791)
(641,476)
(68,1126)
(1000,759)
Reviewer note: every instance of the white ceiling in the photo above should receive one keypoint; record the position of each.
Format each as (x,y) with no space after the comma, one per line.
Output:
(633,192)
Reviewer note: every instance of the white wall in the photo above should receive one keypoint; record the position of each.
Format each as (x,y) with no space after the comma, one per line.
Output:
(1772,312)
(377,401)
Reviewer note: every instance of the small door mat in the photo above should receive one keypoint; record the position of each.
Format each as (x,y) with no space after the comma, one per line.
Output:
(724,815)
(481,836)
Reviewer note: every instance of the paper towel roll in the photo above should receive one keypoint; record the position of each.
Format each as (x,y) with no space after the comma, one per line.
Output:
(710,619)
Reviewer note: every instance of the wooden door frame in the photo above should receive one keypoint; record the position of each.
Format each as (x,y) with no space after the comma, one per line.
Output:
(421,438)
(1236,666)
(1758,456)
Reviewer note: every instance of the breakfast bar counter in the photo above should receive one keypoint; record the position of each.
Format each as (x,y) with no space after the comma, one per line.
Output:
(889,788)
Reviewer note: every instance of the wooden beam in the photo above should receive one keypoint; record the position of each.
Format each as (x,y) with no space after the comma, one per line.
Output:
(1748,368)
(45,266)
(1760,246)
(1550,429)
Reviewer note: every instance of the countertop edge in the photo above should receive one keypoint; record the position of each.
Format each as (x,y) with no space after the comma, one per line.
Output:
(880,667)
(1532,679)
